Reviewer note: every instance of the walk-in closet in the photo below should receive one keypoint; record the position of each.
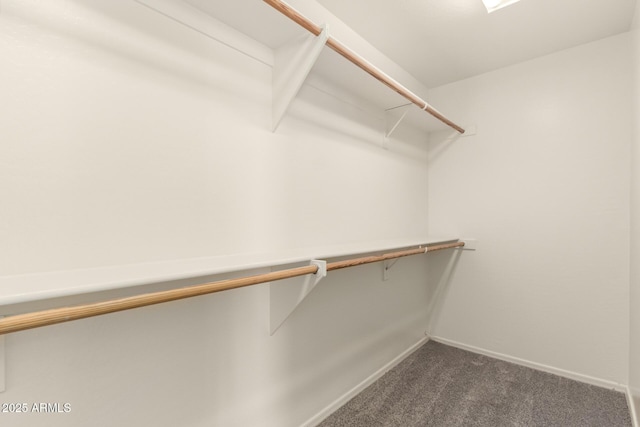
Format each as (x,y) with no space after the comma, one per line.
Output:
(301,213)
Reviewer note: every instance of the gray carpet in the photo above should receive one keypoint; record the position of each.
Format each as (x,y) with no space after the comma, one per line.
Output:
(439,385)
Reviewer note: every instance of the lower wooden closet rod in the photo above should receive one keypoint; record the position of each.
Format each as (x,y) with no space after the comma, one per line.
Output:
(37,319)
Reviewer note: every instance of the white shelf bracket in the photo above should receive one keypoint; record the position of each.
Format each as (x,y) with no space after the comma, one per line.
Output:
(285,295)
(2,364)
(386,266)
(391,120)
(292,63)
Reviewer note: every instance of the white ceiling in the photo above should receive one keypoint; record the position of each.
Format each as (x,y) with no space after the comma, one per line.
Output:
(441,41)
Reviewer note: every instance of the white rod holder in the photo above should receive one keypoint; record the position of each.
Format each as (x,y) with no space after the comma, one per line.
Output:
(469,244)
(470,130)
(322,270)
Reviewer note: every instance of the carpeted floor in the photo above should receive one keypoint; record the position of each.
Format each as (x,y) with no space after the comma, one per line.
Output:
(439,385)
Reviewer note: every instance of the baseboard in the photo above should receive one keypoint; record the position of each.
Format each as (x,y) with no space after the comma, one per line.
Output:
(331,408)
(632,407)
(538,366)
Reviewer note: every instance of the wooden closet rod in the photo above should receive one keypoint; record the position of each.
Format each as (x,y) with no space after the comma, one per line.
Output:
(37,319)
(294,15)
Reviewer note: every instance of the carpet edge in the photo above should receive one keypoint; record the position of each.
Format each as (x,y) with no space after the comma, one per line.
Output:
(599,382)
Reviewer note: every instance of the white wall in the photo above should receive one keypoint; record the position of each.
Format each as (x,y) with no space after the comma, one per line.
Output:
(146,84)
(634,355)
(544,187)
(128,137)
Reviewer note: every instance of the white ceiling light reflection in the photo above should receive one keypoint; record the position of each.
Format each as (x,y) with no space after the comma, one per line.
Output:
(493,5)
